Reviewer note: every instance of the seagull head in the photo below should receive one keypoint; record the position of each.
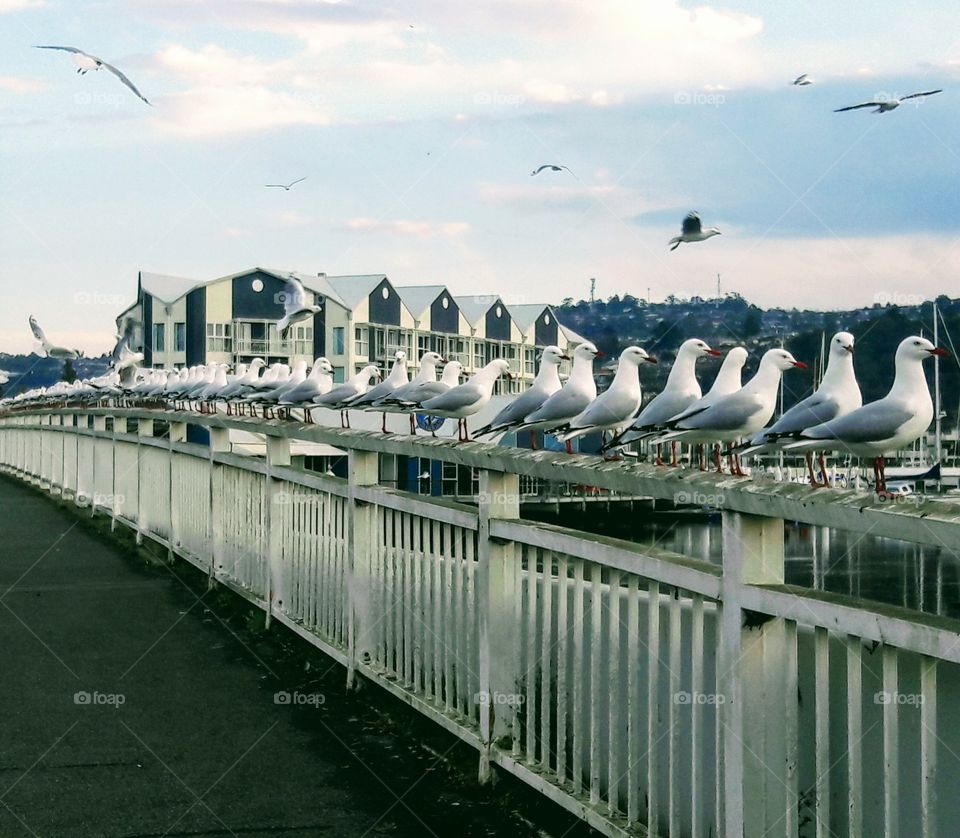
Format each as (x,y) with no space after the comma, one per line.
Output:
(919,349)
(636,356)
(782,360)
(553,355)
(842,345)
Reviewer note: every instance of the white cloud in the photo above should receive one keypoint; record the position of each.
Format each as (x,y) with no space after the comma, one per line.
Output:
(19,84)
(417,229)
(19,5)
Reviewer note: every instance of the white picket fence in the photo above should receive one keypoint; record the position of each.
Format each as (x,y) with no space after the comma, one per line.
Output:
(647,692)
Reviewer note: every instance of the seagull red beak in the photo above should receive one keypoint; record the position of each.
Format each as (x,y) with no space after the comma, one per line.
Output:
(565,357)
(940,351)
(651,359)
(715,352)
(509,375)
(599,354)
(849,348)
(800,365)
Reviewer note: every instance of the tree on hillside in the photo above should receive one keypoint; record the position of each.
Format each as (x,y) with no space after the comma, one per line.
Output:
(69,373)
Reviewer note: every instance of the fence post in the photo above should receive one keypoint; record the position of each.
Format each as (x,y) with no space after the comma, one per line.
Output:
(752,680)
(219,444)
(119,427)
(278,454)
(498,598)
(362,470)
(177,433)
(144,429)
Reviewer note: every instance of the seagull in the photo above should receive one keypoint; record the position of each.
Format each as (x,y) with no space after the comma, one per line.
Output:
(295,305)
(544,385)
(318,383)
(47,349)
(802,80)
(398,377)
(837,395)
(552,167)
(341,396)
(884,105)
(468,398)
(616,405)
(86,62)
(285,186)
(740,414)
(888,424)
(680,391)
(426,390)
(692,231)
(576,394)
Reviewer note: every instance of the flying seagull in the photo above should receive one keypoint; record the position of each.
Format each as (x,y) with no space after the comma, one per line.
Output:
(47,349)
(285,186)
(295,305)
(888,104)
(86,62)
(802,80)
(692,231)
(552,167)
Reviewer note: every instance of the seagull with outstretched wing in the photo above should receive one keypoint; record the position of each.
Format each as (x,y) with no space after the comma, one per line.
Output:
(295,305)
(884,105)
(692,231)
(86,62)
(553,167)
(285,186)
(47,349)
(802,80)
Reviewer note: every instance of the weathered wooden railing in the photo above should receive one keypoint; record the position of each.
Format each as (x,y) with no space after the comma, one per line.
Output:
(645,691)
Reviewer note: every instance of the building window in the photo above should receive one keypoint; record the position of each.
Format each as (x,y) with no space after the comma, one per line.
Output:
(179,337)
(478,354)
(529,361)
(339,340)
(457,350)
(361,341)
(219,337)
(338,377)
(158,335)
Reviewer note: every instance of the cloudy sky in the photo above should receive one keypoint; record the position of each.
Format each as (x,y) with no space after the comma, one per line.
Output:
(418,122)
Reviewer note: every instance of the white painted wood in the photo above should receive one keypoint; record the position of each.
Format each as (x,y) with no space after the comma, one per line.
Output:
(928,745)
(891,742)
(653,707)
(362,470)
(821,649)
(634,703)
(612,692)
(791,728)
(697,687)
(854,646)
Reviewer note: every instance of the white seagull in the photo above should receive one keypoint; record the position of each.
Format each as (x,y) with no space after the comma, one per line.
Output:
(285,186)
(888,424)
(837,395)
(802,80)
(616,405)
(681,390)
(740,414)
(397,378)
(341,396)
(468,398)
(576,394)
(47,349)
(884,105)
(295,305)
(318,383)
(85,62)
(692,231)
(544,385)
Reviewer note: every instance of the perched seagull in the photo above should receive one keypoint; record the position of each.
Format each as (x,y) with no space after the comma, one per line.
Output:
(47,349)
(802,80)
(295,305)
(616,405)
(429,361)
(740,414)
(544,386)
(397,378)
(85,62)
(552,167)
(285,186)
(430,389)
(681,390)
(468,398)
(318,383)
(576,394)
(886,425)
(692,231)
(888,104)
(837,395)
(341,396)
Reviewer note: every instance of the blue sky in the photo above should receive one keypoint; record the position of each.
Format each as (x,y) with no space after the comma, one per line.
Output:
(418,142)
